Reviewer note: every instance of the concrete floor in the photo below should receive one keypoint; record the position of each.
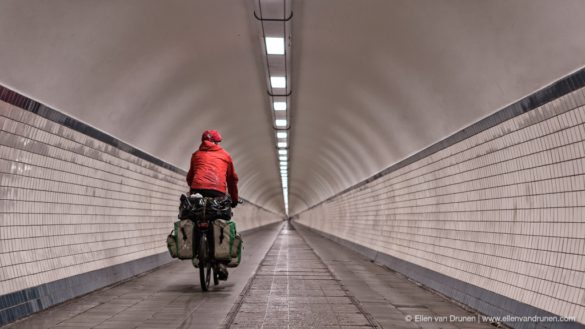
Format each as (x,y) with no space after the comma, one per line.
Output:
(294,289)
(289,278)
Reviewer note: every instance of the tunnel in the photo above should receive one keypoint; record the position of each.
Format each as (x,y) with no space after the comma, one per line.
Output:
(401,163)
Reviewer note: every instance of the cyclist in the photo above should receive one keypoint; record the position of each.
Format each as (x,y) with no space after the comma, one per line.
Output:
(212,174)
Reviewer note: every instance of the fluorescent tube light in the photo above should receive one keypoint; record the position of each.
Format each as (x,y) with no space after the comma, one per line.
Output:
(279,106)
(274,46)
(278,82)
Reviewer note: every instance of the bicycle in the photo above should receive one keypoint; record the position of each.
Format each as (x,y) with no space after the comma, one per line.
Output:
(203,211)
(206,263)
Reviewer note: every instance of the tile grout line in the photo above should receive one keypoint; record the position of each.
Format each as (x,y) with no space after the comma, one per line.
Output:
(273,278)
(230,317)
(288,282)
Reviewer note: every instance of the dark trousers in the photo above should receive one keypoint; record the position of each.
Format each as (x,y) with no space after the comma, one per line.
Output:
(208,193)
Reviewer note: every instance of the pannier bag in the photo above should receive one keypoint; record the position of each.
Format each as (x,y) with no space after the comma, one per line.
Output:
(180,241)
(185,207)
(236,251)
(197,206)
(172,244)
(223,238)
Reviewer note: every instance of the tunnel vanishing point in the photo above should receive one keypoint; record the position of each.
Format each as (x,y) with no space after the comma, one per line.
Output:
(404,163)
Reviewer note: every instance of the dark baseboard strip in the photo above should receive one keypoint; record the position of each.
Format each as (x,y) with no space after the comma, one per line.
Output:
(25,302)
(482,300)
(543,96)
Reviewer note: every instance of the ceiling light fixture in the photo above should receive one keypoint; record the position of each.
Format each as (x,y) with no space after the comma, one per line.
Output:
(280,106)
(278,82)
(276,52)
(274,46)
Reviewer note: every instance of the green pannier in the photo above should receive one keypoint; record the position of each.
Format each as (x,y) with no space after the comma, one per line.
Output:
(180,241)
(172,244)
(228,243)
(223,237)
(236,251)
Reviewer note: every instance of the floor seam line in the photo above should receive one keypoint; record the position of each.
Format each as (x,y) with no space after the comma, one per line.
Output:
(230,317)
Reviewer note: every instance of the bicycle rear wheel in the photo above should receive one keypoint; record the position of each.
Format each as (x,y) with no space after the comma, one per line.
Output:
(204,263)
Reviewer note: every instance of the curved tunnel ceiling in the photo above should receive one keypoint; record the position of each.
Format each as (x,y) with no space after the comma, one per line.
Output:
(374,81)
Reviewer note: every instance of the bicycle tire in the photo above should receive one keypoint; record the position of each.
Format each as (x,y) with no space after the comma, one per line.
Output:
(208,276)
(203,260)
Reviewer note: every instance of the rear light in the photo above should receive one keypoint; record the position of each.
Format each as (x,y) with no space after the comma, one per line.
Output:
(203,224)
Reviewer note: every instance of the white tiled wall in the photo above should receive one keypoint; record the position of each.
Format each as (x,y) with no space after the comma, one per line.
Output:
(70,204)
(503,210)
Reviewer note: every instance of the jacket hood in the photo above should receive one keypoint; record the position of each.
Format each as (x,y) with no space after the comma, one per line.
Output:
(209,146)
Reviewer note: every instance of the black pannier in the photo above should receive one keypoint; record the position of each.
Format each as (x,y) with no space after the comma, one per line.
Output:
(196,206)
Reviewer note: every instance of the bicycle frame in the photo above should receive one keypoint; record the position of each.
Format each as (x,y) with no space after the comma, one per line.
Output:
(196,209)
(204,227)
(205,251)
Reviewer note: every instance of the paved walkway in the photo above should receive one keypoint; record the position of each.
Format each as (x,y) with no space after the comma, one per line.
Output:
(294,289)
(289,278)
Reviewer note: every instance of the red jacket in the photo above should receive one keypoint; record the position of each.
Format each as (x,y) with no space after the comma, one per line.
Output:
(212,169)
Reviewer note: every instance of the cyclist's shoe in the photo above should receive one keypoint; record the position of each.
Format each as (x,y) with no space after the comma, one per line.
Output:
(222,272)
(195,262)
